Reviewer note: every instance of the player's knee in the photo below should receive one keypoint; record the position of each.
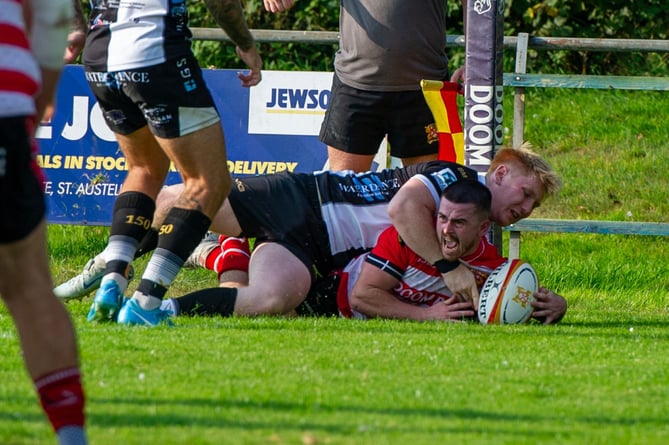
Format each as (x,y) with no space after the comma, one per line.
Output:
(278,302)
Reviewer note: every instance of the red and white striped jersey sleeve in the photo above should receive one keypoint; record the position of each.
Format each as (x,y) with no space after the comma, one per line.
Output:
(19,72)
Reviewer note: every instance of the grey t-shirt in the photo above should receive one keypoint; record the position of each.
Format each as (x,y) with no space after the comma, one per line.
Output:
(390,45)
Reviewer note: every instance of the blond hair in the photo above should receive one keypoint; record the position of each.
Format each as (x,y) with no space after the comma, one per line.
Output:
(531,163)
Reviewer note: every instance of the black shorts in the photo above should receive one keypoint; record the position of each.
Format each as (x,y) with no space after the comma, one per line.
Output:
(321,300)
(171,98)
(21,198)
(284,208)
(356,121)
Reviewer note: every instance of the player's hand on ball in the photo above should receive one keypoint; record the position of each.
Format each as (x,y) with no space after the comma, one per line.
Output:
(549,307)
(451,310)
(462,284)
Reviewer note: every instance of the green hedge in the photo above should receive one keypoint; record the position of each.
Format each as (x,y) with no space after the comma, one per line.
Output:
(628,19)
(610,19)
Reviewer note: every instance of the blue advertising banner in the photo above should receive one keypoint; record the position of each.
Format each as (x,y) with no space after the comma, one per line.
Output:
(268,128)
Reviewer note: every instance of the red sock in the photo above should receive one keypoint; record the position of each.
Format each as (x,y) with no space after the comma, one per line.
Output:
(233,254)
(212,257)
(62,397)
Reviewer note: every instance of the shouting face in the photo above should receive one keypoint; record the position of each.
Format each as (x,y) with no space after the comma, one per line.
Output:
(460,228)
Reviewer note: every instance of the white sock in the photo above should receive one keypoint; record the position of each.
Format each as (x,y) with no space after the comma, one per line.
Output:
(147,302)
(170,306)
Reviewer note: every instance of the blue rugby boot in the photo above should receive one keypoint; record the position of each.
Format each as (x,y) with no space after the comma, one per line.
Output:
(106,303)
(133,314)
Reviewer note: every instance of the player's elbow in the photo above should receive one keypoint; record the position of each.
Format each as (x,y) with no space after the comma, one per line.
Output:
(359,301)
(398,209)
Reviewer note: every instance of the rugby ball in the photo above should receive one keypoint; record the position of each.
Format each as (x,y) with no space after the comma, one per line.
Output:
(507,293)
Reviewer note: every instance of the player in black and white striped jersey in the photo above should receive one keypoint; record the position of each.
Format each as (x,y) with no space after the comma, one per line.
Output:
(140,67)
(306,225)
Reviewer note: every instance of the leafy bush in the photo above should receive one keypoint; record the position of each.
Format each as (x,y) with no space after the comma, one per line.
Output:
(611,19)
(607,19)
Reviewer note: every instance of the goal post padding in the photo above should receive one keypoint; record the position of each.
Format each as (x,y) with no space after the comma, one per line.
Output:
(484,46)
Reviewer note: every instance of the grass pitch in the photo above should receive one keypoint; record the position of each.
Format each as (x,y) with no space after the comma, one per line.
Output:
(599,377)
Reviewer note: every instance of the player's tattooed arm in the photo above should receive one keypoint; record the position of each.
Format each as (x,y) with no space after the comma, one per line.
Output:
(78,21)
(230,17)
(77,35)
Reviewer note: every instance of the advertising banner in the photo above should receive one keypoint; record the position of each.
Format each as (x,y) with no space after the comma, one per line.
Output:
(269,128)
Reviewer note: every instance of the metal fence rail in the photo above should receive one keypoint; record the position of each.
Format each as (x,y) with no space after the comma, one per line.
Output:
(520,80)
(454,41)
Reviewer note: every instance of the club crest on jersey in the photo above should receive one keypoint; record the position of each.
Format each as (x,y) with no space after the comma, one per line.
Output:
(432,133)
(444,178)
(480,277)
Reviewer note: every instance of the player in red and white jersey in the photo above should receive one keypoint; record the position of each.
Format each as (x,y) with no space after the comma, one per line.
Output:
(418,282)
(20,70)
(33,37)
(392,281)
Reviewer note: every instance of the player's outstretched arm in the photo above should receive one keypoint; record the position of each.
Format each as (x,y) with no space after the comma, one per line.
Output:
(549,307)
(372,296)
(230,17)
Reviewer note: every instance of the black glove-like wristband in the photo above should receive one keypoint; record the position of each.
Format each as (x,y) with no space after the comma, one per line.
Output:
(445,266)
